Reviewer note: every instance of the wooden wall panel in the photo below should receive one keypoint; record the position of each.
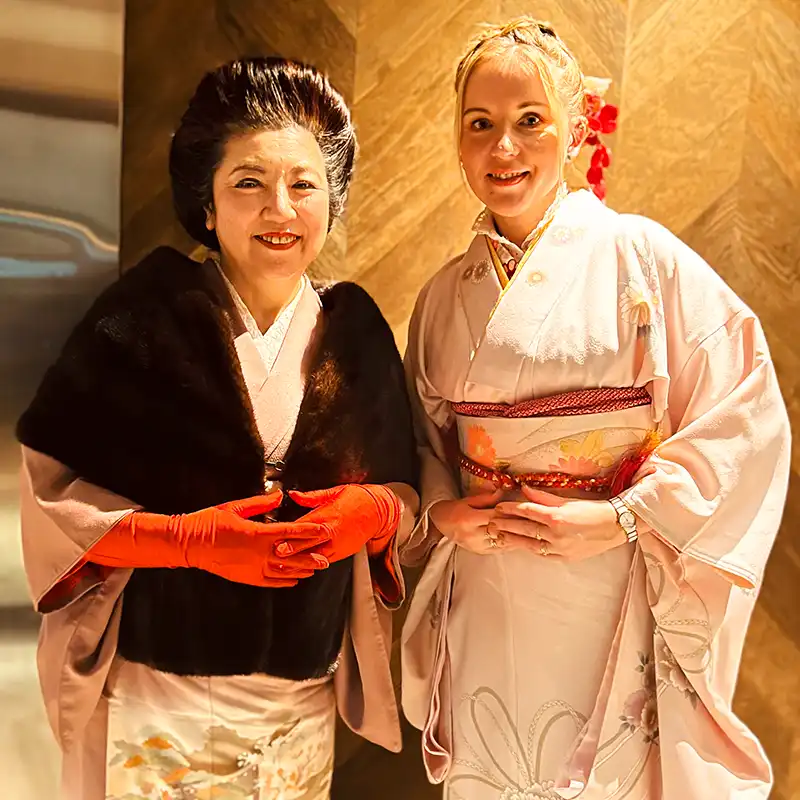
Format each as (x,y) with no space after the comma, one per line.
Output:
(408,169)
(159,79)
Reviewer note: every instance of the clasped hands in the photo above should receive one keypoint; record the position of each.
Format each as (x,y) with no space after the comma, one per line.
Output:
(226,541)
(340,521)
(544,524)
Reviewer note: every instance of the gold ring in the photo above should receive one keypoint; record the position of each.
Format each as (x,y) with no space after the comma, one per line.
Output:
(544,549)
(492,540)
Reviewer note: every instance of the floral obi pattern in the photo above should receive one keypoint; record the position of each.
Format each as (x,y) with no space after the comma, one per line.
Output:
(585,445)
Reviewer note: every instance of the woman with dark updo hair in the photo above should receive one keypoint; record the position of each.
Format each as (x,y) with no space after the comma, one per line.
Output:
(217,470)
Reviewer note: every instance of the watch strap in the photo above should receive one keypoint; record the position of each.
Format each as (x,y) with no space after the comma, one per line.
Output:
(622,509)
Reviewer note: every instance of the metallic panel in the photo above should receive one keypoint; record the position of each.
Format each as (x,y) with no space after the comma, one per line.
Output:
(60,149)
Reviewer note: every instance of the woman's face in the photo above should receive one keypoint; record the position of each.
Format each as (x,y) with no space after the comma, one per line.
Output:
(509,139)
(270,209)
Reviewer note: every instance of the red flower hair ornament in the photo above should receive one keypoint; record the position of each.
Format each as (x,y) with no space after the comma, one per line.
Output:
(602,118)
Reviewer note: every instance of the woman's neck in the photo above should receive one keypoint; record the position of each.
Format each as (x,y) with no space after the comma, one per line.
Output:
(518,229)
(264,295)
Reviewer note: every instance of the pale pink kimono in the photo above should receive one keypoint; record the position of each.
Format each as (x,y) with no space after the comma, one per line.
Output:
(612,677)
(62,516)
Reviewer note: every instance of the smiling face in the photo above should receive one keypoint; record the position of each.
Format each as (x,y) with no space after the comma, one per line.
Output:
(509,143)
(271,203)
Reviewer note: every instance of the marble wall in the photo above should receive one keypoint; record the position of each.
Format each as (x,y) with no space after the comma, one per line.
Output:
(707,145)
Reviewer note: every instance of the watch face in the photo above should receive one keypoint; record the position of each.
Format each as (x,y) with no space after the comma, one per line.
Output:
(627,519)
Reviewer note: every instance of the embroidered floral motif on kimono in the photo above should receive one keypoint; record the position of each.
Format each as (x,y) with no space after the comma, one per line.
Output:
(564,234)
(636,305)
(670,674)
(640,712)
(586,455)
(479,446)
(477,272)
(515,768)
(228,767)
(649,288)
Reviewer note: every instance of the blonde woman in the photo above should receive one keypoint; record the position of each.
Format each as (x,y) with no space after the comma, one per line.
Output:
(606,454)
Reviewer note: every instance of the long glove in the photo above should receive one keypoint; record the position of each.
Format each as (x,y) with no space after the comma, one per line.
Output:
(357,515)
(221,539)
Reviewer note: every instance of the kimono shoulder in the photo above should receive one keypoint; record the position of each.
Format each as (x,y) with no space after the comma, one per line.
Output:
(451,268)
(441,284)
(689,289)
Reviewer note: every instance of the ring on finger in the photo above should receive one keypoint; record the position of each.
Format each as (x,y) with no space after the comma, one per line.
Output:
(494,540)
(544,549)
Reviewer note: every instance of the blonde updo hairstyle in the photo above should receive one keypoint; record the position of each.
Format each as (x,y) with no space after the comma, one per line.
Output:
(536,46)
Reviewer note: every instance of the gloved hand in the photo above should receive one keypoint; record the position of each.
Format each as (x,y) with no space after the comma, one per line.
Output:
(356,515)
(221,539)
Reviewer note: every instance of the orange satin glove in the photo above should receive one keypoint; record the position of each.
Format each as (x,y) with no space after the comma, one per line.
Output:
(357,515)
(221,539)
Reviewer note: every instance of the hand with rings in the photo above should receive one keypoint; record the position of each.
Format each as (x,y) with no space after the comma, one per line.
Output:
(495,539)
(525,535)
(479,524)
(467,522)
(559,527)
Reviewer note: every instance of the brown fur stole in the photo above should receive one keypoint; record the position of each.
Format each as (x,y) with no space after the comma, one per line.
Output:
(148,400)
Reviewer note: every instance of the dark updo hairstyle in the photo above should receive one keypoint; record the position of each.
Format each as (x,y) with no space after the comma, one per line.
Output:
(250,95)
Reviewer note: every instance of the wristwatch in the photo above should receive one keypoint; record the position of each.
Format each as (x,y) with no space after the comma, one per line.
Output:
(626,519)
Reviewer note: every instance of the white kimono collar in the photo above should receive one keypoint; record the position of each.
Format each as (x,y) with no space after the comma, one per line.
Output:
(484,224)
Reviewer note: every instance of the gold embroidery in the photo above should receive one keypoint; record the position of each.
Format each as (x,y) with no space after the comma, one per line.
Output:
(587,455)
(564,234)
(535,277)
(536,236)
(479,445)
(635,306)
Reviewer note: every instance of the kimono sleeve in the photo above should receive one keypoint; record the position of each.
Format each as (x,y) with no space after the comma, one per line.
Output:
(62,516)
(715,488)
(433,421)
